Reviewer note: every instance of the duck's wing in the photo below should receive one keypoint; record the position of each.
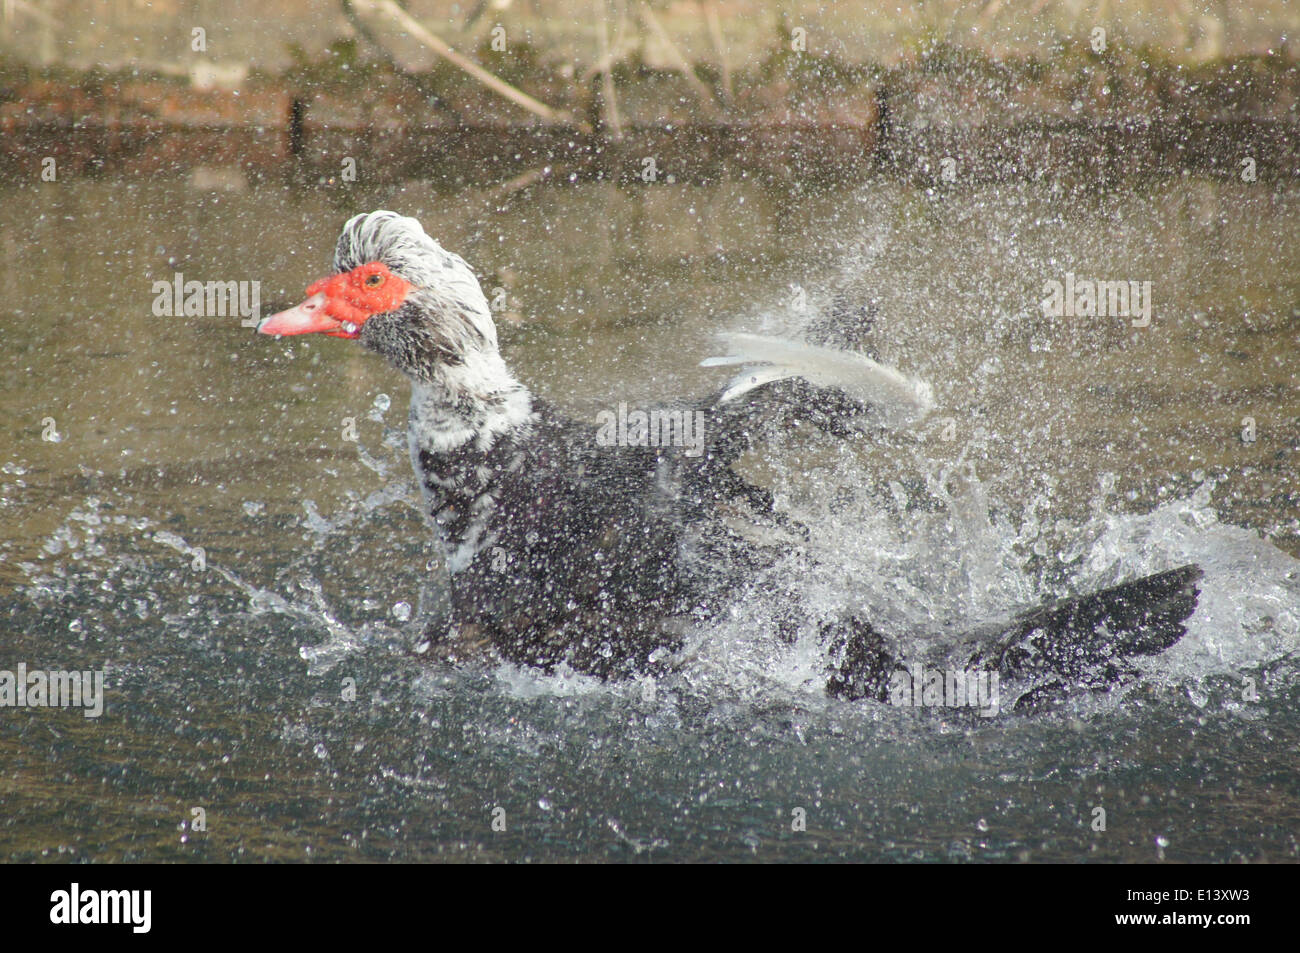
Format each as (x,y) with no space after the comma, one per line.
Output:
(895,399)
(1085,641)
(1089,641)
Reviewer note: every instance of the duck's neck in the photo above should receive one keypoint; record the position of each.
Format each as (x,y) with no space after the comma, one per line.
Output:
(468,406)
(467,423)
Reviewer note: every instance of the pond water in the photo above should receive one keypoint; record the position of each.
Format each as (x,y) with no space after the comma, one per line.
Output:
(227,526)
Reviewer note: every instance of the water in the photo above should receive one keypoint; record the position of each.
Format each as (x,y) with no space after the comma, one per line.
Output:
(205,529)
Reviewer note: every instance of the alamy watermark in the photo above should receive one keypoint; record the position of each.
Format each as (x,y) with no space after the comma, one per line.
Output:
(653,428)
(39,688)
(920,687)
(179,298)
(1083,297)
(77,906)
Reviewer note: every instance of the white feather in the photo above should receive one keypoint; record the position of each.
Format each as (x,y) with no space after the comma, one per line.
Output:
(750,378)
(902,400)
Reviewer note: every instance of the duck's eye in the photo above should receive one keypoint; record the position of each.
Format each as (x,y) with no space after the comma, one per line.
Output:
(374,281)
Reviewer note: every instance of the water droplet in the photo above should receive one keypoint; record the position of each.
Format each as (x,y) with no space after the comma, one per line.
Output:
(544,804)
(382,402)
(402,611)
(982,825)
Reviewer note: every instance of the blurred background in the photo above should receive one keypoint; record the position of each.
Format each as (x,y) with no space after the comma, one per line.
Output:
(155,34)
(807,87)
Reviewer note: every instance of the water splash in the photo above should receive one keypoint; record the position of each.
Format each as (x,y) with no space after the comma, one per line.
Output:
(935,555)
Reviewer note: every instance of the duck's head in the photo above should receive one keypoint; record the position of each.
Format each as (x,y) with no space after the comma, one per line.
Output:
(399,293)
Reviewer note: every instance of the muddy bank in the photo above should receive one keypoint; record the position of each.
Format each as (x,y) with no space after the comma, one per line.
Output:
(948,116)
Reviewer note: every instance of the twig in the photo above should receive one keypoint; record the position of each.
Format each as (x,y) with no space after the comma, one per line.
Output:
(706,98)
(715,34)
(607,80)
(492,82)
(507,190)
(420,83)
(615,52)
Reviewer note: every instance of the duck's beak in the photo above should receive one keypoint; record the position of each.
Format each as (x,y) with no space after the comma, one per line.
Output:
(308,318)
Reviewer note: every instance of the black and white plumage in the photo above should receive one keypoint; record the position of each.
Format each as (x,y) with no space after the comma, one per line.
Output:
(565,548)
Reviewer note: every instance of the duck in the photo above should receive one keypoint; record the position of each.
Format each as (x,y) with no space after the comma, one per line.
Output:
(600,546)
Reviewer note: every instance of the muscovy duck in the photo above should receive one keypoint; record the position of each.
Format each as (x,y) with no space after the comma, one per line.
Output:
(565,548)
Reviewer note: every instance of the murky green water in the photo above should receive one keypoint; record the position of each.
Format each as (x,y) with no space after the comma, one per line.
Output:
(1064,452)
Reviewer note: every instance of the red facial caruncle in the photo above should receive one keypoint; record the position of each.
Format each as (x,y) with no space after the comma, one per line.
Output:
(340,304)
